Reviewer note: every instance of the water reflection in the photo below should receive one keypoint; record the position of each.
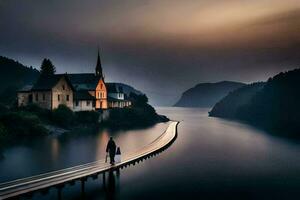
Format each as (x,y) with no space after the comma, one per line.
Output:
(112,186)
(54,149)
(211,159)
(101,142)
(58,152)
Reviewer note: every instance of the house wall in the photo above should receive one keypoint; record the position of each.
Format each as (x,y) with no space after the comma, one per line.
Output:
(119,104)
(62,89)
(23,98)
(83,105)
(127,103)
(116,95)
(116,104)
(42,99)
(101,95)
(112,104)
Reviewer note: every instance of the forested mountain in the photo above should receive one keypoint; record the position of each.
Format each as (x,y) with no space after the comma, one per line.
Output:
(230,104)
(14,75)
(276,106)
(127,89)
(207,94)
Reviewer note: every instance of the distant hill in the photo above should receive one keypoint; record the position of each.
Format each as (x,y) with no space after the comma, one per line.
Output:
(14,75)
(207,94)
(274,106)
(230,104)
(127,89)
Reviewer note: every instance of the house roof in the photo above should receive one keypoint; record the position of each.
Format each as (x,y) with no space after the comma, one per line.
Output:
(111,99)
(114,88)
(83,95)
(48,82)
(86,81)
(26,88)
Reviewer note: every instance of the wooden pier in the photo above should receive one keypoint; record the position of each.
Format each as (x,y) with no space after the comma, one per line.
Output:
(58,179)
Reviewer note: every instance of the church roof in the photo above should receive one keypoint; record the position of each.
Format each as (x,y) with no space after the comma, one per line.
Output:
(98,66)
(83,95)
(26,88)
(114,88)
(48,82)
(85,81)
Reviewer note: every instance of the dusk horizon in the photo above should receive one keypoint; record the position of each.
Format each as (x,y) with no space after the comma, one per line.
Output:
(149,99)
(176,44)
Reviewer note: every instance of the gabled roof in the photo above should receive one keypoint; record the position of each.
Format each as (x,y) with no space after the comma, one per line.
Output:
(112,99)
(48,82)
(86,81)
(26,88)
(114,88)
(83,95)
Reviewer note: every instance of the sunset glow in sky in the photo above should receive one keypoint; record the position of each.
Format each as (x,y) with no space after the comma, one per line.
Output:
(159,46)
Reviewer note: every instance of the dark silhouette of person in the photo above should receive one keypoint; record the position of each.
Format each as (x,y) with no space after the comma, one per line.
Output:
(111,149)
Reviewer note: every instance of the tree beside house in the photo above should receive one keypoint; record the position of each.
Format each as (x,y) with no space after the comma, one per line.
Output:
(47,68)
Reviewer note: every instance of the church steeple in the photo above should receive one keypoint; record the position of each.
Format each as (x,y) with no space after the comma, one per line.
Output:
(99,67)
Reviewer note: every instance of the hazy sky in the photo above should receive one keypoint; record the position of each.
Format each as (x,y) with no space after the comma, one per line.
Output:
(161,47)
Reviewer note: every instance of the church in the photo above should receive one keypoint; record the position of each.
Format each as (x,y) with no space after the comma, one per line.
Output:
(79,92)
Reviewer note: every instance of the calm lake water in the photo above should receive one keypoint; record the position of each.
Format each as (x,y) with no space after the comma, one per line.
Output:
(211,158)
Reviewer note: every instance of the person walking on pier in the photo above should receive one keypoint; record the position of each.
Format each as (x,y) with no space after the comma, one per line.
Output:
(111,149)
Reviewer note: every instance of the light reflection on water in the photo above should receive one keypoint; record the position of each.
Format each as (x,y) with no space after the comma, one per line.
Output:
(211,158)
(58,152)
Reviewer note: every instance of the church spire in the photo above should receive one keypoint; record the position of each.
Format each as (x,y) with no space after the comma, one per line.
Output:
(98,66)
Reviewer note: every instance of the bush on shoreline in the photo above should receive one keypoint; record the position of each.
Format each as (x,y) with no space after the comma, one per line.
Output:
(63,116)
(30,121)
(87,117)
(20,125)
(141,114)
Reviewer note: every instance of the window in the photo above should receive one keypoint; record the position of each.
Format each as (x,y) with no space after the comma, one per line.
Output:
(30,98)
(88,103)
(101,86)
(68,97)
(58,97)
(44,97)
(77,103)
(36,96)
(63,87)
